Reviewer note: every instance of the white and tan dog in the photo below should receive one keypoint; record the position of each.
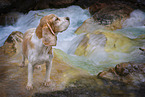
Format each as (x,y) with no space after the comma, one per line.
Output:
(37,45)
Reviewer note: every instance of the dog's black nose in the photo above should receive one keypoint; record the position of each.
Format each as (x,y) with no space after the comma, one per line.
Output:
(67,18)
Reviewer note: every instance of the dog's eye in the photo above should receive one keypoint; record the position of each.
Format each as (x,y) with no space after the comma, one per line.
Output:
(56,19)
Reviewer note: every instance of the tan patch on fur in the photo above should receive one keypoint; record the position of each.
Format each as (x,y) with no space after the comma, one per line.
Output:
(31,44)
(27,41)
(43,22)
(39,31)
(24,46)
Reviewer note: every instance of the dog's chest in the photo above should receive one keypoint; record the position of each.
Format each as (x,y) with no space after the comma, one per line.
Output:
(39,55)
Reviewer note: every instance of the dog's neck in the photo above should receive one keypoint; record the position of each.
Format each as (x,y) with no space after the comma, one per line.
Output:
(41,48)
(36,40)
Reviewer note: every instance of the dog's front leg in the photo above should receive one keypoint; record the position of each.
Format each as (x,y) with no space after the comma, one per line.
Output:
(48,71)
(30,76)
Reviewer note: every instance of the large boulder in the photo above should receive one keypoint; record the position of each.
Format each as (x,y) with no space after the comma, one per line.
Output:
(107,40)
(113,13)
(108,47)
(133,73)
(113,16)
(100,4)
(12,45)
(110,17)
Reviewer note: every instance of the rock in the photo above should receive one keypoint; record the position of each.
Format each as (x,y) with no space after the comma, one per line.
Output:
(113,13)
(104,39)
(98,6)
(4,4)
(126,72)
(84,3)
(113,16)
(27,5)
(9,18)
(101,4)
(110,17)
(17,5)
(12,44)
(42,4)
(89,26)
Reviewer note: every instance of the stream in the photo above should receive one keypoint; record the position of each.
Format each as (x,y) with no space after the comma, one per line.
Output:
(96,61)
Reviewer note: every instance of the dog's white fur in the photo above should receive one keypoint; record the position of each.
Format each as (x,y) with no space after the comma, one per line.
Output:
(37,45)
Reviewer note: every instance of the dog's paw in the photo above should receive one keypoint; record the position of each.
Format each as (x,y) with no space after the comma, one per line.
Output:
(22,65)
(29,87)
(46,83)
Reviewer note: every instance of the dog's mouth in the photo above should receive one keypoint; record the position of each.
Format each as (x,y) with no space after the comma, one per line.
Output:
(67,23)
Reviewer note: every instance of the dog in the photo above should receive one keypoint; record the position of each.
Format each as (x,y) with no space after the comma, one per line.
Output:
(37,45)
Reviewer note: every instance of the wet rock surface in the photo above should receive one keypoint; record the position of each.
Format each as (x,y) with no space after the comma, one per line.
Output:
(93,87)
(130,73)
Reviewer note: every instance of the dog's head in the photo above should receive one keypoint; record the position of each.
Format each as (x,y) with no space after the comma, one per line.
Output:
(49,26)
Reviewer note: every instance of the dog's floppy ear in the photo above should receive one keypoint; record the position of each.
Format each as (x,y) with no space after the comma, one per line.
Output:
(44,21)
(50,29)
(48,36)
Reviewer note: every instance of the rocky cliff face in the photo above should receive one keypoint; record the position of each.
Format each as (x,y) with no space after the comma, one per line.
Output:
(94,6)
(27,5)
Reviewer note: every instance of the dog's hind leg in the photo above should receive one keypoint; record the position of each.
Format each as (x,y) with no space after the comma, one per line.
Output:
(23,61)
